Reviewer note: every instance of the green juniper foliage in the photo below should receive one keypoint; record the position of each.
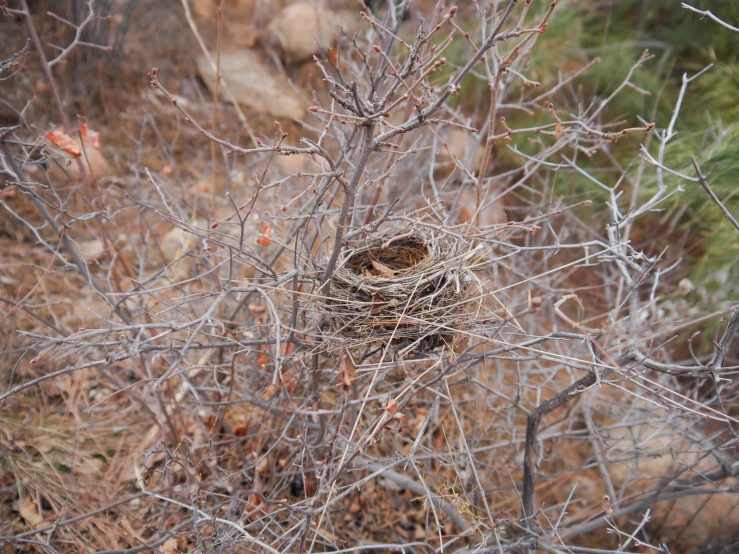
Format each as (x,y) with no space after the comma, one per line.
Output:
(708,127)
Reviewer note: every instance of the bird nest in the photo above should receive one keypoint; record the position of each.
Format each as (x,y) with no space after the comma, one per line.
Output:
(405,287)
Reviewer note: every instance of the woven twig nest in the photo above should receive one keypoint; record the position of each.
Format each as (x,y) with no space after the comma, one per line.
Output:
(407,287)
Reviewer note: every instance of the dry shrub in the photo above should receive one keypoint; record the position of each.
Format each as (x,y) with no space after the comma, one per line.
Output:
(250,341)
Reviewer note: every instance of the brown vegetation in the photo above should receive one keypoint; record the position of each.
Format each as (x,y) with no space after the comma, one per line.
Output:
(375,324)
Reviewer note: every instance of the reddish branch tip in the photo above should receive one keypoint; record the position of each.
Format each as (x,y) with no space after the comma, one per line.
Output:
(550,106)
(174,101)
(649,127)
(453,10)
(277,124)
(472,129)
(375,48)
(313,108)
(34,360)
(502,119)
(466,35)
(213,225)
(315,59)
(154,70)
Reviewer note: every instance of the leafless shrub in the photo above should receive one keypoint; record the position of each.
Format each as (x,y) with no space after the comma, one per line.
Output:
(547,402)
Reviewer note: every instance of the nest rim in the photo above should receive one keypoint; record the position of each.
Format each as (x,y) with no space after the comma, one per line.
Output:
(405,285)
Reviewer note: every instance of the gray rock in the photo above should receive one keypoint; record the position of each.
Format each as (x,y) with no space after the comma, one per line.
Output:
(253,84)
(303,29)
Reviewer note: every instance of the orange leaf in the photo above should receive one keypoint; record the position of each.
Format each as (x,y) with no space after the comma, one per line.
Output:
(269,392)
(347,373)
(65,143)
(333,55)
(91,139)
(290,382)
(265,239)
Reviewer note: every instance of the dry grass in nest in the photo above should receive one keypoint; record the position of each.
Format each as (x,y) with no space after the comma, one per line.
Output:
(407,287)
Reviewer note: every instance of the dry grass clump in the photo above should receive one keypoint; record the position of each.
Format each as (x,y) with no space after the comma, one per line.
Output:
(407,287)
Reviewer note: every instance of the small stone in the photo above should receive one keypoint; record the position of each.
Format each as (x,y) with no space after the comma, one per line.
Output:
(253,84)
(301,30)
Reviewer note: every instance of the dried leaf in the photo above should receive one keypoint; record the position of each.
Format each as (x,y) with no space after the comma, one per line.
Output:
(65,143)
(263,466)
(262,358)
(171,546)
(238,419)
(392,406)
(90,466)
(381,270)
(255,506)
(257,309)
(29,511)
(290,382)
(128,528)
(347,373)
(560,129)
(91,139)
(333,55)
(348,365)
(378,303)
(265,238)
